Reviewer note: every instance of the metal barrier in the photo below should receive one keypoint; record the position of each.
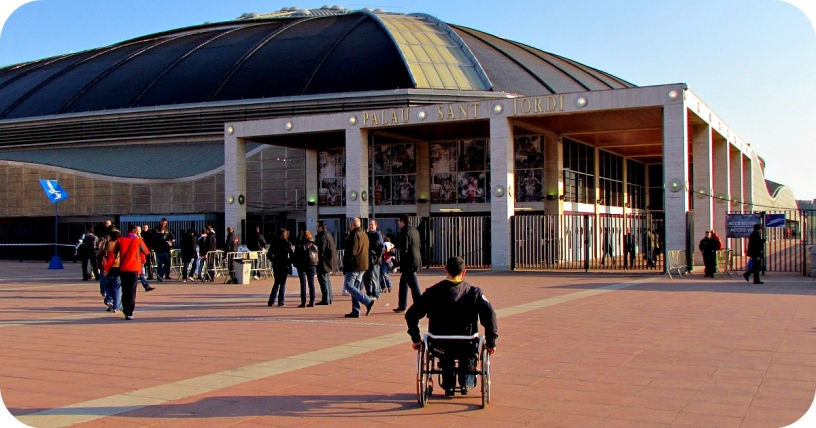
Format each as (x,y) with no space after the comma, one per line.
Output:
(176,262)
(725,263)
(216,265)
(676,261)
(462,236)
(261,266)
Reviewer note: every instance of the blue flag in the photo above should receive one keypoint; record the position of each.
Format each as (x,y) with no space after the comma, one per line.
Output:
(54,191)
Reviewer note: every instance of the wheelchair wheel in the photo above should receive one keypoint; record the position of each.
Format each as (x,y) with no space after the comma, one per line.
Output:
(422,376)
(484,361)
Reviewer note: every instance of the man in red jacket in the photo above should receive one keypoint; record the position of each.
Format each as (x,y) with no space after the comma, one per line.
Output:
(130,250)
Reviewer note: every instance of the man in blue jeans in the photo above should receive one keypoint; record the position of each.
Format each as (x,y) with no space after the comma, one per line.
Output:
(355,265)
(410,262)
(375,245)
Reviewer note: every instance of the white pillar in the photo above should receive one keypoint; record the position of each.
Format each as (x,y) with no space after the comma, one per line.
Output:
(703,183)
(736,188)
(747,183)
(234,182)
(501,207)
(423,179)
(311,190)
(356,172)
(675,175)
(722,184)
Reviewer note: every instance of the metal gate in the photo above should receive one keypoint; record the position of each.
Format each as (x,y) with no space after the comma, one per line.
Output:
(786,247)
(462,236)
(588,241)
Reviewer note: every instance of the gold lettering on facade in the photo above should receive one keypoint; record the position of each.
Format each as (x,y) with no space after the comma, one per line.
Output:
(463,114)
(441,113)
(382,115)
(538,108)
(562,103)
(374,120)
(476,110)
(365,118)
(526,106)
(515,106)
(406,115)
(394,119)
(550,103)
(451,114)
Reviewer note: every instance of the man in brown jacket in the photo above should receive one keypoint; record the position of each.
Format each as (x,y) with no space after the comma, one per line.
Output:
(355,265)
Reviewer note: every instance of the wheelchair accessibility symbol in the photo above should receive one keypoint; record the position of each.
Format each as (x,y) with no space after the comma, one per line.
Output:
(53,191)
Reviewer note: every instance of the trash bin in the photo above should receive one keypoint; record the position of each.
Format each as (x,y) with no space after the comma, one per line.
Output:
(243,270)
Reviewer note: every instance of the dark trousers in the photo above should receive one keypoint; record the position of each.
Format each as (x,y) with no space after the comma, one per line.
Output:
(305,275)
(185,264)
(89,257)
(325,287)
(455,360)
(149,268)
(129,285)
(710,262)
(279,288)
(756,266)
(408,280)
(629,258)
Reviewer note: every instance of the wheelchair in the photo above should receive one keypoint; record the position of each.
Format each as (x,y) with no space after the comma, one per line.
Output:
(427,366)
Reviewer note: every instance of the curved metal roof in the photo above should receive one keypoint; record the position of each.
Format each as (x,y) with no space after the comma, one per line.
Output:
(288,53)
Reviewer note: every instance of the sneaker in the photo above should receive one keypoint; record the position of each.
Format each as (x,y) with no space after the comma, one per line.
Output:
(352,315)
(322,303)
(399,310)
(129,317)
(449,393)
(369,306)
(183,280)
(149,288)
(310,305)
(159,279)
(110,308)
(281,304)
(302,305)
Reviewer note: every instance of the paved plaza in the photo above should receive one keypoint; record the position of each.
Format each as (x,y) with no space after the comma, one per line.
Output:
(574,350)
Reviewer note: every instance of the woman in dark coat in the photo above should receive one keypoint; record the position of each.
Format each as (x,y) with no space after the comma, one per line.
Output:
(280,253)
(306,266)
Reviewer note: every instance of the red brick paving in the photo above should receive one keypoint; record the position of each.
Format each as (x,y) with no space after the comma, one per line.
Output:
(686,352)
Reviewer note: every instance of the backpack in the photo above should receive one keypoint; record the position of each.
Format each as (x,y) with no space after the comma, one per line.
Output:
(313,257)
(90,243)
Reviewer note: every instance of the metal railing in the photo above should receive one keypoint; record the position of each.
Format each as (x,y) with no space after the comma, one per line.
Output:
(676,262)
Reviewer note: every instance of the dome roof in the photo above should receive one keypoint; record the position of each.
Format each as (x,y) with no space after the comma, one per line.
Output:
(289,53)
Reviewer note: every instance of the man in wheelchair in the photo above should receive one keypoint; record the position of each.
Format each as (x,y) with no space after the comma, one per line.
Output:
(453,308)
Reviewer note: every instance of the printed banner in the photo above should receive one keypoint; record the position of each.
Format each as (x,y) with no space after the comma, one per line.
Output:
(775,220)
(54,191)
(741,225)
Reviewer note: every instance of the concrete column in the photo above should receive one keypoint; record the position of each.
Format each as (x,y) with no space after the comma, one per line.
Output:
(625,178)
(675,175)
(735,159)
(234,182)
(722,184)
(423,179)
(747,184)
(553,174)
(357,172)
(312,189)
(703,183)
(501,207)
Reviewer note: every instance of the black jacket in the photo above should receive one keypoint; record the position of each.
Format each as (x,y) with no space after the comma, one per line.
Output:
(230,246)
(188,245)
(409,246)
(162,241)
(375,247)
(203,245)
(327,251)
(280,252)
(709,245)
(212,243)
(453,310)
(755,242)
(259,243)
(300,258)
(355,256)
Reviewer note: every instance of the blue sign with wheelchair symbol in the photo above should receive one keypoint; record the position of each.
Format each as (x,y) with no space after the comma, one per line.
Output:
(774,220)
(54,191)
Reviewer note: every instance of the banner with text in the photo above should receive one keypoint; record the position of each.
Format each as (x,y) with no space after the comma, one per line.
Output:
(741,225)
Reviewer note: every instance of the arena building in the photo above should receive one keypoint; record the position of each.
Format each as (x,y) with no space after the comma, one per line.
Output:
(281,119)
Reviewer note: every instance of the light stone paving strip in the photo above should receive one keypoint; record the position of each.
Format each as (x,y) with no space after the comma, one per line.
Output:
(157,395)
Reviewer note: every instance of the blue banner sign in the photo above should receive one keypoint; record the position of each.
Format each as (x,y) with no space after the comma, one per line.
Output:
(775,220)
(54,191)
(741,225)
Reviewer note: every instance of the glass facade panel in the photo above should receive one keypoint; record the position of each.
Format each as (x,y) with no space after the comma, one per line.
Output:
(579,172)
(529,167)
(331,174)
(460,172)
(394,174)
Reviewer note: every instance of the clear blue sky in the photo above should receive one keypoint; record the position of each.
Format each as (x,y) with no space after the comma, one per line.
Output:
(752,61)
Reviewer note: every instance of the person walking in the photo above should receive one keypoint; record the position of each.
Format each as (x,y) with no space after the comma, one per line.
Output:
(87,251)
(145,262)
(375,246)
(709,247)
(629,249)
(188,254)
(163,240)
(280,253)
(355,264)
(147,237)
(231,246)
(410,262)
(203,248)
(113,283)
(387,265)
(327,262)
(129,250)
(755,247)
(257,243)
(306,260)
